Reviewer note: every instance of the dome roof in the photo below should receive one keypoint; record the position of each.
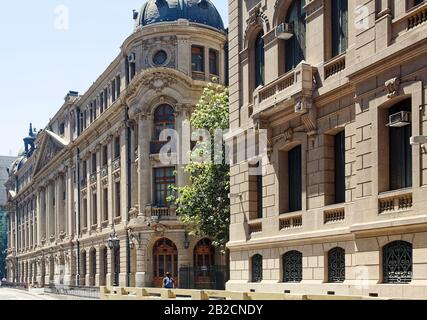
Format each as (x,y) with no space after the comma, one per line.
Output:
(198,11)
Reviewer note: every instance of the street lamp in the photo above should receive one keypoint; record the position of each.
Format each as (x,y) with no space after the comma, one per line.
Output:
(113,241)
(114,245)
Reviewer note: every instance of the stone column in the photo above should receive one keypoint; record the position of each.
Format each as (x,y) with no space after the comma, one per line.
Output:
(98,187)
(123,174)
(70,199)
(110,152)
(145,130)
(184,54)
(383,25)
(183,114)
(207,73)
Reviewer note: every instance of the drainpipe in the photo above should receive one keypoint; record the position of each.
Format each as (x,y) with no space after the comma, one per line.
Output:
(78,200)
(129,190)
(16,231)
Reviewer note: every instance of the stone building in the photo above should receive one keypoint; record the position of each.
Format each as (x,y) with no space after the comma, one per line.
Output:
(5,163)
(339,88)
(93,175)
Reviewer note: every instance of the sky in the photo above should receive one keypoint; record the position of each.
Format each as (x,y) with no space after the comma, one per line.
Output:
(48,48)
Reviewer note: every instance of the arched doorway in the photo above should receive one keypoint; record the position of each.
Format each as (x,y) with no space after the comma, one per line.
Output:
(165,259)
(83,268)
(51,269)
(103,263)
(92,267)
(204,262)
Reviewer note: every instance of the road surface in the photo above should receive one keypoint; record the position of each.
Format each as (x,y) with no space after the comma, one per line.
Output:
(15,294)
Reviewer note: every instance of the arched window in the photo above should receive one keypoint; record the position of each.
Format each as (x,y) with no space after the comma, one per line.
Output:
(292,266)
(164,118)
(339,24)
(336,265)
(204,254)
(397,262)
(259,60)
(295,46)
(256,265)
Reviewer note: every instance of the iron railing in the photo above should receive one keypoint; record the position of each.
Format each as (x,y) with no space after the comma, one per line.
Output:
(207,277)
(76,291)
(14,285)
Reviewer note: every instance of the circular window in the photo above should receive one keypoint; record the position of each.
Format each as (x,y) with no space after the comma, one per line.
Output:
(160,58)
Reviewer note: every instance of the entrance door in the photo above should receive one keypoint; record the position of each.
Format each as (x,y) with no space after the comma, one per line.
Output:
(165,257)
(204,261)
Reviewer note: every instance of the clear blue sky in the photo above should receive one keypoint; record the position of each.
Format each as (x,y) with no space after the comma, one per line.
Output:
(41,59)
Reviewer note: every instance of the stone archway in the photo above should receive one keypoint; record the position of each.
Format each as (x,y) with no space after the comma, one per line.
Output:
(92,267)
(165,259)
(103,265)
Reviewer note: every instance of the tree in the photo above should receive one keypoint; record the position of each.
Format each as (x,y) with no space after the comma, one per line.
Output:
(204,204)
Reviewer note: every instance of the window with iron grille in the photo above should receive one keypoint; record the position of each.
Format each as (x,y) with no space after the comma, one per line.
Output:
(397,262)
(257,268)
(336,265)
(292,266)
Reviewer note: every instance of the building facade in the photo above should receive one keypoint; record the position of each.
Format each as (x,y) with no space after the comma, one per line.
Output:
(88,199)
(338,88)
(5,163)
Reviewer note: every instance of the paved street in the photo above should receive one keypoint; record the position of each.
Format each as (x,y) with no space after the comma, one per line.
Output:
(14,294)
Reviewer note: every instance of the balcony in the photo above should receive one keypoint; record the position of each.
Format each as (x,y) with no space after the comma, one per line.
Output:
(395,202)
(116,164)
(197,75)
(334,215)
(156,146)
(282,92)
(157,213)
(334,66)
(255,227)
(290,223)
(104,171)
(93,178)
(83,183)
(417,17)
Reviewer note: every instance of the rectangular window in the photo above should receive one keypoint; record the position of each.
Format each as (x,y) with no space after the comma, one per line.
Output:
(113,90)
(400,152)
(295,179)
(105,204)
(105,99)
(213,62)
(94,163)
(132,70)
(94,209)
(61,128)
(117,199)
(118,83)
(101,102)
(339,16)
(104,155)
(339,157)
(259,196)
(83,222)
(197,59)
(84,171)
(164,180)
(116,147)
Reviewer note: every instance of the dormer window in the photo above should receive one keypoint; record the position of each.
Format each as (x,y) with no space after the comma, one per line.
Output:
(61,128)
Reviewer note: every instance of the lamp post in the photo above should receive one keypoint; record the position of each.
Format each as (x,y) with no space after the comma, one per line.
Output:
(114,245)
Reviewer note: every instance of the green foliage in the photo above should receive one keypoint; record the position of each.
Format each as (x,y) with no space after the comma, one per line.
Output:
(204,204)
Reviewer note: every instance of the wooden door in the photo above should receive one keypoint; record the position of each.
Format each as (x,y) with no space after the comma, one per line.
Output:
(165,257)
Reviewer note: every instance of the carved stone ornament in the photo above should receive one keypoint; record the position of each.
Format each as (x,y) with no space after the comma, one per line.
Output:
(286,136)
(392,86)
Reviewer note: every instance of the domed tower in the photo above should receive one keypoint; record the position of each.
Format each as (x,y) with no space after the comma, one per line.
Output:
(201,12)
(186,35)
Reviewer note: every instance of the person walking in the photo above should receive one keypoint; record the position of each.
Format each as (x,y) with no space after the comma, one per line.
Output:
(168,281)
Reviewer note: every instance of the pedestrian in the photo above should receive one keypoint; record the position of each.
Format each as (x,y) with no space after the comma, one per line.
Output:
(168,281)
